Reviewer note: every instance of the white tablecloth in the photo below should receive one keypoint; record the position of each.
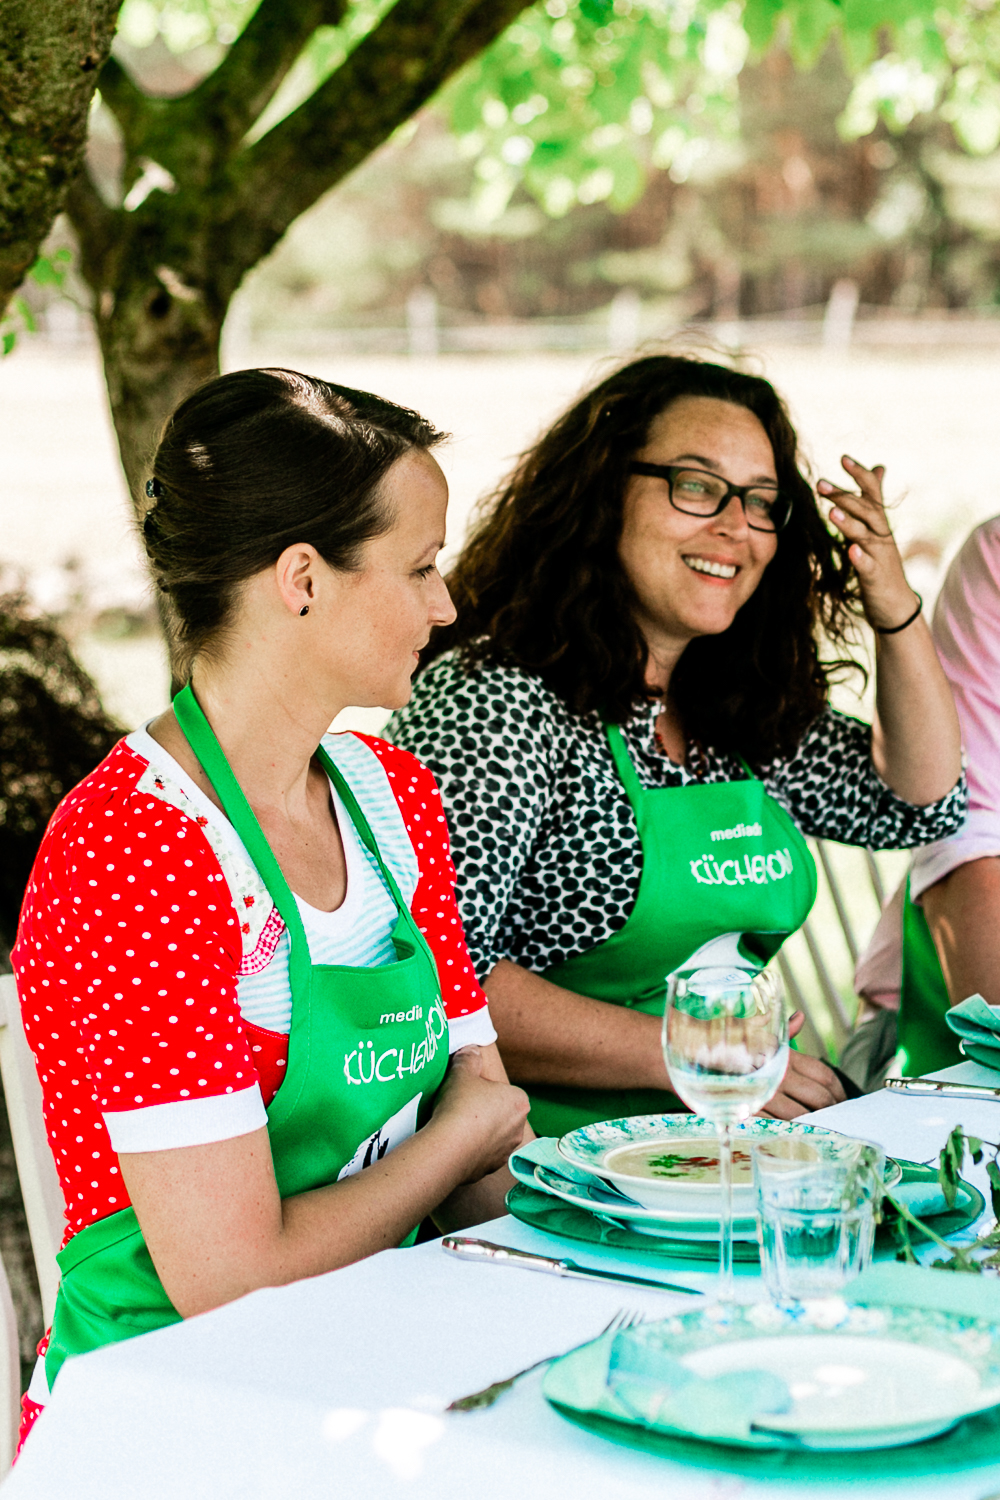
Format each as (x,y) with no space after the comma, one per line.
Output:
(335,1387)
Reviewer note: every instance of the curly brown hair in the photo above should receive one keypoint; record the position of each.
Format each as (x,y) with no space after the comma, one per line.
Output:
(539,584)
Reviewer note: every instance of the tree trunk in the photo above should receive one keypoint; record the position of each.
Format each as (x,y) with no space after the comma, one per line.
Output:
(51,53)
(158,345)
(162,271)
(157,348)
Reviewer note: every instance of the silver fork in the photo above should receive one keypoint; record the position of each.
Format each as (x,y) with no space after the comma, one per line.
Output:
(491,1393)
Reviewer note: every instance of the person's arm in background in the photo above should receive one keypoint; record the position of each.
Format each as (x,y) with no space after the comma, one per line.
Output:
(963,914)
(916,742)
(958,880)
(551,1036)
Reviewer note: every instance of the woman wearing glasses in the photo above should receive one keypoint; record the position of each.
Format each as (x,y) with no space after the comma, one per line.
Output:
(630,727)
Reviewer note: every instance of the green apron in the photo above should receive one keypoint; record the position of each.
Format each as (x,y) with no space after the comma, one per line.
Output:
(723,869)
(926,1042)
(367,1051)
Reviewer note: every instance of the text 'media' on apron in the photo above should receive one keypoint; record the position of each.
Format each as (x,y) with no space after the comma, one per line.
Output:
(367,1050)
(726,877)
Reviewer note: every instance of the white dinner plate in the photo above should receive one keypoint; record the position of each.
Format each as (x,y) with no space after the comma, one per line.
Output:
(685,1170)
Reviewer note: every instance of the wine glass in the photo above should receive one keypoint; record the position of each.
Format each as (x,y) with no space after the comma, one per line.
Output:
(725,1043)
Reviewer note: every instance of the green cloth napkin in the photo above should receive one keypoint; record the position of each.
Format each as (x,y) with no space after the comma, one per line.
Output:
(920,1190)
(544,1152)
(665,1396)
(661,1392)
(978,1024)
(893,1284)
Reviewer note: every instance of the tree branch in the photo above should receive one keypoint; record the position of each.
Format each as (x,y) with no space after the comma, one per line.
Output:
(229,100)
(96,227)
(125,99)
(388,77)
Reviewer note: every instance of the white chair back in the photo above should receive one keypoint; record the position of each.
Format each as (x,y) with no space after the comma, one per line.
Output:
(817,963)
(43,1199)
(10,1375)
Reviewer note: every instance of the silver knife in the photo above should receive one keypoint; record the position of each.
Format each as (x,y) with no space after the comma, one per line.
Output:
(502,1255)
(930,1088)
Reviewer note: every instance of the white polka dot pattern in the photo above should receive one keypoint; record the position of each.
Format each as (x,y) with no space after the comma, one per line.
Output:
(128,955)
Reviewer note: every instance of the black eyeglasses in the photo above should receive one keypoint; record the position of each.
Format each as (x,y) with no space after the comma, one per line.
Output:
(696,492)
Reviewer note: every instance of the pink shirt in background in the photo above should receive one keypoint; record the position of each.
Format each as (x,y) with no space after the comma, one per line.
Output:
(967,635)
(966,631)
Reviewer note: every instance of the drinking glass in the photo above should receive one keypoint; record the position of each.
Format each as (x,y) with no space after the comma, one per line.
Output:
(725,1043)
(817,1206)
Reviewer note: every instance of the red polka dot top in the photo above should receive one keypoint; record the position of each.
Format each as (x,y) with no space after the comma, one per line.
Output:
(143,917)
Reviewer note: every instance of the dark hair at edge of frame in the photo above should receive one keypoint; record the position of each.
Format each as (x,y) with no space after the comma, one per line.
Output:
(53,732)
(254,461)
(538,584)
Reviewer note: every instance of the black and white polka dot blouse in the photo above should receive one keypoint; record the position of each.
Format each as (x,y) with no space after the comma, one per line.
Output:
(542,832)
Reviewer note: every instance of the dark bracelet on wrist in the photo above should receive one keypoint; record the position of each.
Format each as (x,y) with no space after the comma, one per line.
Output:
(895,629)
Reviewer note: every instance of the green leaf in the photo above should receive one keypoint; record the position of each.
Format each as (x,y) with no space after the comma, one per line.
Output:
(950,1165)
(45,273)
(760,20)
(993,1173)
(9,340)
(598,12)
(812,23)
(27,317)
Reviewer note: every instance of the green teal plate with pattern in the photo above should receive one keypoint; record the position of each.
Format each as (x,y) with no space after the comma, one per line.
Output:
(969,1204)
(670,1163)
(552,1216)
(826,1375)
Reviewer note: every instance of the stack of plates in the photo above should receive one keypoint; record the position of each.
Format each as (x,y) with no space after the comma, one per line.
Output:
(658,1175)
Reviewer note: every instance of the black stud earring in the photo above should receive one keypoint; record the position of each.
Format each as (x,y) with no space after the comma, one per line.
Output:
(304,610)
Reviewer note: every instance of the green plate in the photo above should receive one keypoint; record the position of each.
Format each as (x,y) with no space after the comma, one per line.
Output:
(968,1206)
(563,1221)
(916,1352)
(973,1444)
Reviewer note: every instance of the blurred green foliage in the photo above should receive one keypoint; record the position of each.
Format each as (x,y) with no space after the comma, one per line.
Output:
(580,100)
(48,271)
(648,144)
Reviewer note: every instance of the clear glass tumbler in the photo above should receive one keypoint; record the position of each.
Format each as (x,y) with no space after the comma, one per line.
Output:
(817,1208)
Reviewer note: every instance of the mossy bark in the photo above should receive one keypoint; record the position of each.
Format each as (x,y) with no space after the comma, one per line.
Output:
(51,55)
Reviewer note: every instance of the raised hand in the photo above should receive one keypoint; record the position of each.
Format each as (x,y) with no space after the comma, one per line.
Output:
(887,597)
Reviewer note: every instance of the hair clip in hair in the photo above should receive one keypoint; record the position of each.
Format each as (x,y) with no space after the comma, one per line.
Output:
(154,489)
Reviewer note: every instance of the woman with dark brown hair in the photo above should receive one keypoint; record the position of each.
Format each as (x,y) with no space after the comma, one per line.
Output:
(630,727)
(262,1051)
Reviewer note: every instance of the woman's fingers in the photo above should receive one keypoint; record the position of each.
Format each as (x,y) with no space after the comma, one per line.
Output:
(867,506)
(869,481)
(852,527)
(468,1059)
(808,1084)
